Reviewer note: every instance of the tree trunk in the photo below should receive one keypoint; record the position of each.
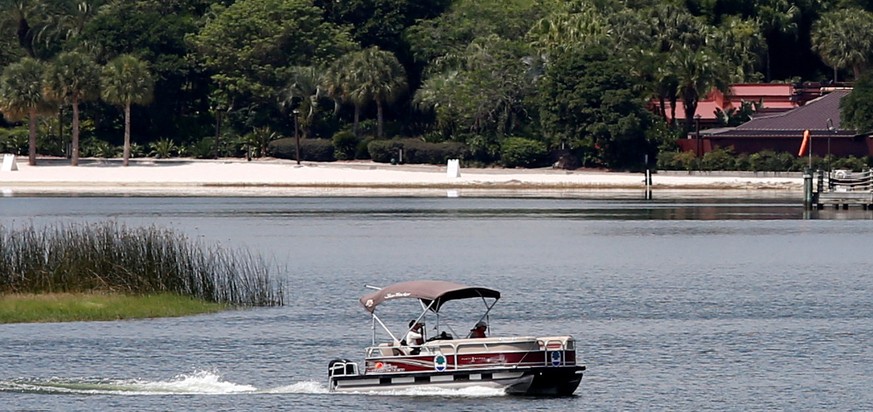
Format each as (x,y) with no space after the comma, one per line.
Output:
(689,102)
(673,101)
(379,118)
(31,141)
(127,134)
(61,125)
(357,119)
(74,151)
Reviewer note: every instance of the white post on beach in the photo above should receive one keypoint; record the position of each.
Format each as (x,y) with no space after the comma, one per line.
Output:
(453,169)
(9,164)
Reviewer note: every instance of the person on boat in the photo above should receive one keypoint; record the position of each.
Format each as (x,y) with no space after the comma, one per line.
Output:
(414,338)
(478,331)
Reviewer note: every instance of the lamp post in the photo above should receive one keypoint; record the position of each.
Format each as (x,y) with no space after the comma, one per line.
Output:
(832,129)
(296,136)
(697,135)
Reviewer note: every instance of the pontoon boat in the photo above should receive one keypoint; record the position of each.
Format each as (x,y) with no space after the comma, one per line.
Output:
(524,365)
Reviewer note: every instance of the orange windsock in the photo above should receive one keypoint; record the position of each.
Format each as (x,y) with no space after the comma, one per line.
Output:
(805,144)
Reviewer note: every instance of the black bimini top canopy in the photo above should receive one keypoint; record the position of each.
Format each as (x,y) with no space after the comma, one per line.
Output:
(436,291)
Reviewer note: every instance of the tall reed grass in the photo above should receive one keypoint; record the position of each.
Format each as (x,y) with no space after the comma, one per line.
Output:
(116,258)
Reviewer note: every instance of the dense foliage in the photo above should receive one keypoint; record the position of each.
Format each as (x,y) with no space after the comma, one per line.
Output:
(229,77)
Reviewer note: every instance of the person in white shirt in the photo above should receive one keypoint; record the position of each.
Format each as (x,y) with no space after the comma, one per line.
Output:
(414,337)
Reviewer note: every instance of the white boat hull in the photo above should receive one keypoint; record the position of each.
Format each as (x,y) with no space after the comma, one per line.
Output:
(528,381)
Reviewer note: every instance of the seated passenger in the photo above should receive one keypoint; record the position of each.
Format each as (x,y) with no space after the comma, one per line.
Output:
(478,331)
(414,337)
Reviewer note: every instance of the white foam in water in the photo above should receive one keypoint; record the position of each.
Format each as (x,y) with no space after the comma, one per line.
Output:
(210,383)
(202,382)
(300,387)
(198,382)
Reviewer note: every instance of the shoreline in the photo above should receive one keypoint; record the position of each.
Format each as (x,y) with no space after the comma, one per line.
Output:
(275,177)
(98,306)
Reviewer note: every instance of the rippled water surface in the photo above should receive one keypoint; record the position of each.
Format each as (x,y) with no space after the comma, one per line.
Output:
(676,304)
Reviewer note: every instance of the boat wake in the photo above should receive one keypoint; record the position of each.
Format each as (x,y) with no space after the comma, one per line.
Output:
(202,382)
(199,383)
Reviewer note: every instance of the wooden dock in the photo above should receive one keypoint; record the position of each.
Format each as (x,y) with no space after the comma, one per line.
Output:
(841,189)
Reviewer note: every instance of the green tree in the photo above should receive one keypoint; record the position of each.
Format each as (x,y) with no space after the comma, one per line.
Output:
(697,73)
(381,22)
(591,103)
(484,88)
(42,26)
(740,43)
(72,78)
(251,45)
(776,18)
(155,31)
(378,77)
(126,80)
(570,27)
(453,31)
(435,95)
(339,82)
(842,39)
(21,95)
(856,109)
(303,92)
(25,18)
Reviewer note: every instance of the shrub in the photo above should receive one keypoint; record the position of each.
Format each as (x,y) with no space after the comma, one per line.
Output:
(203,148)
(314,150)
(665,160)
(93,147)
(522,152)
(719,159)
(415,151)
(163,148)
(383,151)
(741,162)
(345,145)
(255,143)
(14,140)
(418,151)
(362,150)
(687,161)
(849,163)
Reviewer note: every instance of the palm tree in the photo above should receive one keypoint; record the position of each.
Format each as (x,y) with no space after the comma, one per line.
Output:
(433,96)
(378,76)
(338,82)
(697,73)
(25,18)
(842,39)
(305,86)
(126,80)
(71,79)
(21,95)
(38,24)
(776,17)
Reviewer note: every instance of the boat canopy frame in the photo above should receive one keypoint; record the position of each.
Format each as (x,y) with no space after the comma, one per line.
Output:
(431,294)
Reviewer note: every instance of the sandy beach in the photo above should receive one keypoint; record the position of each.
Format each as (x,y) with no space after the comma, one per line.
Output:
(274,177)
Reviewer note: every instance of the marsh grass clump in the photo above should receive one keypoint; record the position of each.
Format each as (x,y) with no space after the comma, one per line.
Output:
(115,258)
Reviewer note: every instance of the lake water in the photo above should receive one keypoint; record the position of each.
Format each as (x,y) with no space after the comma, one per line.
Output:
(677,304)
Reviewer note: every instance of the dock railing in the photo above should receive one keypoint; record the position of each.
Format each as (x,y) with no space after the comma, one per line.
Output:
(840,188)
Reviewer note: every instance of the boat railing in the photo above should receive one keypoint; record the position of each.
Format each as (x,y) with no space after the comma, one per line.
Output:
(459,347)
